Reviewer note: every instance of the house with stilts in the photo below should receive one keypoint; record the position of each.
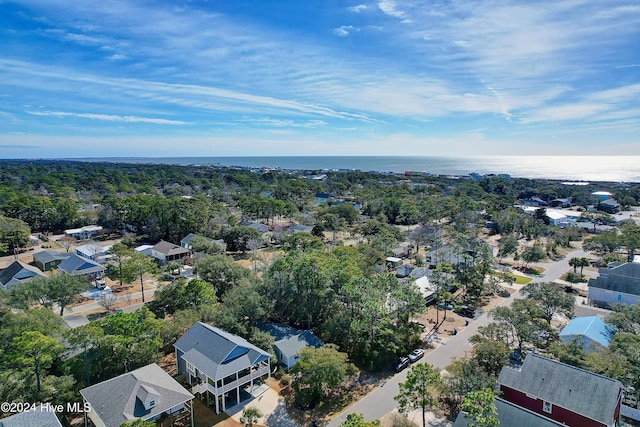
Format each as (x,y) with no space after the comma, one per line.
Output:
(223,367)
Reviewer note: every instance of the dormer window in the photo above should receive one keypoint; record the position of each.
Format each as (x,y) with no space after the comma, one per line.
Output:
(148,396)
(546,407)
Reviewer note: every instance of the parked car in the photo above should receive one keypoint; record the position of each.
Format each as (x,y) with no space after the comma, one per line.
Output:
(402,363)
(446,305)
(416,355)
(100,283)
(465,310)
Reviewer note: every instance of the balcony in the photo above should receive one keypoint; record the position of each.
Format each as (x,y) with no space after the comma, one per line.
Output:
(255,374)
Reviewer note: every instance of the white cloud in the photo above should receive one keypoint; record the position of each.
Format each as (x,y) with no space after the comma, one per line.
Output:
(565,112)
(281,123)
(357,9)
(109,118)
(389,7)
(344,30)
(117,57)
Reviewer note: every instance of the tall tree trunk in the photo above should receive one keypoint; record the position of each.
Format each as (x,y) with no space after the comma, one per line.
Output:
(142,286)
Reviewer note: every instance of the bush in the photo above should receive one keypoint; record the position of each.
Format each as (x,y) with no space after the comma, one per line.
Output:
(285,380)
(574,277)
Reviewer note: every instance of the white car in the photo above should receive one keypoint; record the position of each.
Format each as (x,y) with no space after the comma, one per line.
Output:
(416,354)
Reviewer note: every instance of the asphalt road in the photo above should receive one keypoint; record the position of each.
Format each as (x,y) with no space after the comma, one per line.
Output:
(381,401)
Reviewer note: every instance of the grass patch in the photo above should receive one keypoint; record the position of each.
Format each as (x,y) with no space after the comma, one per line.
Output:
(520,280)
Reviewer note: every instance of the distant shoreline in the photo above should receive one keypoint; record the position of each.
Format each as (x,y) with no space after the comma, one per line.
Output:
(612,169)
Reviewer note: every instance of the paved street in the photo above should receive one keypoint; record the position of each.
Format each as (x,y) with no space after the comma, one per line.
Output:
(380,401)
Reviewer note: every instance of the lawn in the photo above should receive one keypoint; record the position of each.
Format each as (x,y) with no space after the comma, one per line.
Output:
(520,280)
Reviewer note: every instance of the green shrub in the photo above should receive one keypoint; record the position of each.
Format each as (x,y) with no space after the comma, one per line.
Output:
(574,277)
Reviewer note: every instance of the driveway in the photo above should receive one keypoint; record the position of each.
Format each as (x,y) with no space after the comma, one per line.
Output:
(272,407)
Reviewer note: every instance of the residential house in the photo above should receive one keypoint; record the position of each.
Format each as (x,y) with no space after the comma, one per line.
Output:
(289,341)
(616,283)
(590,332)
(166,252)
(560,218)
(426,288)
(404,270)
(86,232)
(562,392)
(609,206)
(299,228)
(147,393)
(601,195)
(48,260)
(186,242)
(262,228)
(76,265)
(221,366)
(446,253)
(41,416)
(509,414)
(535,202)
(99,254)
(321,198)
(561,203)
(18,272)
(143,249)
(402,251)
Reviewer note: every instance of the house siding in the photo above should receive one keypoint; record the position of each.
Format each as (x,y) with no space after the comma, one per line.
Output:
(603,297)
(558,413)
(182,365)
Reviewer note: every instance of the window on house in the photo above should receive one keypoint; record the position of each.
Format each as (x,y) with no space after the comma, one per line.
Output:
(619,297)
(152,404)
(190,367)
(546,407)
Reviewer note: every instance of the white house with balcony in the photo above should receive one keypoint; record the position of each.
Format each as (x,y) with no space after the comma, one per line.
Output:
(223,367)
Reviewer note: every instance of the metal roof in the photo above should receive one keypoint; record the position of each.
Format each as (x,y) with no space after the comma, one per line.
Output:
(579,391)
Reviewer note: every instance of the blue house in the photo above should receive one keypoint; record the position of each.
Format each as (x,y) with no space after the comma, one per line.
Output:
(590,333)
(219,365)
(18,272)
(289,341)
(616,283)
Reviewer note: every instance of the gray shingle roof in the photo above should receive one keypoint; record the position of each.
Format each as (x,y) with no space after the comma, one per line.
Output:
(622,278)
(76,265)
(18,272)
(512,415)
(168,248)
(40,418)
(218,353)
(48,256)
(289,340)
(117,400)
(577,390)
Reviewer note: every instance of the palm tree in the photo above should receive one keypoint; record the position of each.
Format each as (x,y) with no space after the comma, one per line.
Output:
(250,416)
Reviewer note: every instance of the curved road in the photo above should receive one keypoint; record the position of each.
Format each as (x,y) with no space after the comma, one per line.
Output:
(381,401)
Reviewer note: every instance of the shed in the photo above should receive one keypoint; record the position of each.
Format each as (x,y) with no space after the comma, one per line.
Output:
(590,332)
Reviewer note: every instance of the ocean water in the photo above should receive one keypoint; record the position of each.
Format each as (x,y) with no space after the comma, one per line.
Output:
(570,168)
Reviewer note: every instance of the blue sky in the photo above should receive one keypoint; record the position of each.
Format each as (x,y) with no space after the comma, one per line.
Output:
(318,77)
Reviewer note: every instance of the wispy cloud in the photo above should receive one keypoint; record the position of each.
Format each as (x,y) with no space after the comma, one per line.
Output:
(344,30)
(511,67)
(117,57)
(389,7)
(109,117)
(281,123)
(357,9)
